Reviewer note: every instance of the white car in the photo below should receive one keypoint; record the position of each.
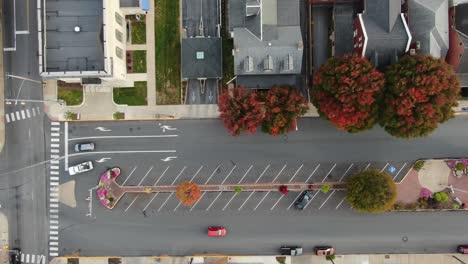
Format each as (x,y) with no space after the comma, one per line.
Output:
(80,168)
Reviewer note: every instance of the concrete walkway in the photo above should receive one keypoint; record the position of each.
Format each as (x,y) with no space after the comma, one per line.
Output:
(4,256)
(2,83)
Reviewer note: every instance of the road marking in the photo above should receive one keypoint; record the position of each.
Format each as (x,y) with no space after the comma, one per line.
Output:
(38,109)
(54,200)
(234,195)
(23,114)
(156,194)
(53,237)
(279,173)
(342,200)
(54,227)
(53,248)
(27,258)
(54,151)
(290,180)
(180,173)
(219,194)
(54,216)
(52,243)
(54,167)
(114,137)
(66,145)
(317,192)
(136,197)
(121,152)
(55,128)
(206,182)
(55,134)
(54,222)
(54,184)
(12,115)
(54,162)
(55,139)
(330,195)
(33,258)
(53,254)
(310,176)
(22,257)
(17,115)
(55,123)
(191,180)
(54,145)
(384,167)
(251,193)
(54,172)
(34,112)
(399,171)
(53,232)
(28,114)
(129,176)
(7,117)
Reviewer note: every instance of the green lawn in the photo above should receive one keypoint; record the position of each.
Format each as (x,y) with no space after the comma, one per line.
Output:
(139,61)
(131,95)
(71,95)
(167,49)
(138,33)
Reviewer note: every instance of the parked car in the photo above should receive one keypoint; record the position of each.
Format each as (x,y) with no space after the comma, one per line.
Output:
(291,250)
(324,251)
(303,200)
(80,168)
(81,147)
(216,231)
(462,249)
(15,256)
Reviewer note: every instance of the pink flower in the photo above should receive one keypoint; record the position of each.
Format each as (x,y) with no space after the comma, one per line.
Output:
(452,163)
(101,192)
(425,193)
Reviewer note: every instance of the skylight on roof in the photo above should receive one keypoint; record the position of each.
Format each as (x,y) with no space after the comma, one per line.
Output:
(200,55)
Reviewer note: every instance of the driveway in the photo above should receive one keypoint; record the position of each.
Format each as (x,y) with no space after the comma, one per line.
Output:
(195,10)
(321,16)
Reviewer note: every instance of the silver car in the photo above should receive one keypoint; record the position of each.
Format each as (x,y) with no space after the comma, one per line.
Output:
(80,147)
(80,168)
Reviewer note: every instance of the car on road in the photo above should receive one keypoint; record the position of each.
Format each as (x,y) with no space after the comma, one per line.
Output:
(80,168)
(82,147)
(303,200)
(462,249)
(291,250)
(216,231)
(15,256)
(324,250)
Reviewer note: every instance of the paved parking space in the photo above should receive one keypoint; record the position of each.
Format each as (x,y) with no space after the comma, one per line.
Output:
(230,173)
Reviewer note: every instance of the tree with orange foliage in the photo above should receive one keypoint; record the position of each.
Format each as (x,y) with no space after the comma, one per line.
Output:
(188,193)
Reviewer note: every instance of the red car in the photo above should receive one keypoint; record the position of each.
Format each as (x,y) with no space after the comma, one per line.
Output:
(216,231)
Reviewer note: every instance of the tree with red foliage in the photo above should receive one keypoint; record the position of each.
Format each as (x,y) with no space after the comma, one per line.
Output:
(188,193)
(421,92)
(283,189)
(240,111)
(283,105)
(348,91)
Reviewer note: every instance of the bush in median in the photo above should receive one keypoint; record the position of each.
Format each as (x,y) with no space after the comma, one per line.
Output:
(188,193)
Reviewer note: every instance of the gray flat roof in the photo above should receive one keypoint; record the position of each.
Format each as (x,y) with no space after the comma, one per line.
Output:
(201,58)
(67,50)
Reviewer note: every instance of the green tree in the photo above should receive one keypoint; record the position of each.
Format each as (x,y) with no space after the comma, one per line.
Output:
(325,188)
(371,191)
(330,258)
(420,93)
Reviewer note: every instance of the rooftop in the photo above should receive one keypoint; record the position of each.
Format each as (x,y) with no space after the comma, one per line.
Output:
(201,58)
(74,40)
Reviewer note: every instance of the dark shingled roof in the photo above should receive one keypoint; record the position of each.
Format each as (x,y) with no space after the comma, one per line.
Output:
(210,66)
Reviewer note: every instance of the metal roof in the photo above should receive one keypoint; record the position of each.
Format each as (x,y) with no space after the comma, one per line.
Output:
(201,58)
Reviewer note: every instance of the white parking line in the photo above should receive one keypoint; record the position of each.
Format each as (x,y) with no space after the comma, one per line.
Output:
(279,173)
(34,112)
(12,115)
(219,194)
(38,109)
(28,114)
(136,197)
(317,192)
(342,200)
(17,115)
(156,194)
(234,195)
(240,208)
(384,167)
(290,180)
(129,176)
(167,199)
(191,180)
(331,194)
(7,117)
(399,171)
(307,180)
(206,182)
(23,114)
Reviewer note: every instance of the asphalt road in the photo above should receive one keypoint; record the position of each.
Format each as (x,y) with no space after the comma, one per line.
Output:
(22,194)
(147,225)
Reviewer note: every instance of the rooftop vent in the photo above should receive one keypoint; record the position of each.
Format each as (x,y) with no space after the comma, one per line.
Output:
(248,64)
(268,63)
(77,29)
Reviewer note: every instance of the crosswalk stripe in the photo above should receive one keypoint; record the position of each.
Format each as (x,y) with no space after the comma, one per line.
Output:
(34,112)
(53,254)
(33,258)
(54,216)
(54,145)
(28,114)
(55,139)
(55,128)
(53,237)
(54,194)
(54,211)
(54,227)
(52,232)
(54,178)
(54,183)
(55,123)
(7,117)
(41,260)
(17,115)
(54,172)
(53,243)
(54,205)
(54,156)
(54,151)
(38,109)
(22,257)
(54,200)
(54,162)
(12,115)
(54,167)
(54,222)
(27,257)
(55,134)
(53,248)
(23,114)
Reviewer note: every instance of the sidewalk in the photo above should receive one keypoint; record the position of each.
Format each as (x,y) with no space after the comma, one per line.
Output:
(4,256)
(2,83)
(306,259)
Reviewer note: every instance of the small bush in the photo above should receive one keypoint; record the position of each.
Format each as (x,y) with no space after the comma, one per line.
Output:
(238,189)
(441,197)
(117,115)
(422,203)
(418,165)
(283,189)
(460,166)
(69,115)
(330,257)
(456,206)
(325,188)
(281,260)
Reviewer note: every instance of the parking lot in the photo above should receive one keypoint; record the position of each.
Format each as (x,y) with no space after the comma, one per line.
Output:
(229,173)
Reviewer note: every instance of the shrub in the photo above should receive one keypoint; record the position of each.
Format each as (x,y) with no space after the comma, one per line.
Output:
(237,189)
(188,193)
(348,91)
(325,188)
(281,260)
(418,165)
(425,193)
(283,189)
(283,105)
(69,115)
(441,197)
(117,115)
(371,191)
(460,166)
(240,111)
(422,203)
(330,257)
(420,93)
(456,206)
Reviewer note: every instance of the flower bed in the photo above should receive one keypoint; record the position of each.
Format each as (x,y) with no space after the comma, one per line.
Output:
(103,194)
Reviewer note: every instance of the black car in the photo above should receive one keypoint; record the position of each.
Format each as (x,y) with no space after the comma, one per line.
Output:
(291,250)
(303,200)
(15,256)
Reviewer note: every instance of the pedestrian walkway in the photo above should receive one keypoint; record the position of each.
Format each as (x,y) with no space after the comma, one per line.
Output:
(33,258)
(54,181)
(3,238)
(22,114)
(2,82)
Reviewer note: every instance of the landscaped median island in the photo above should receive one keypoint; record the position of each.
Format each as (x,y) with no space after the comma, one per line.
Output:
(167,42)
